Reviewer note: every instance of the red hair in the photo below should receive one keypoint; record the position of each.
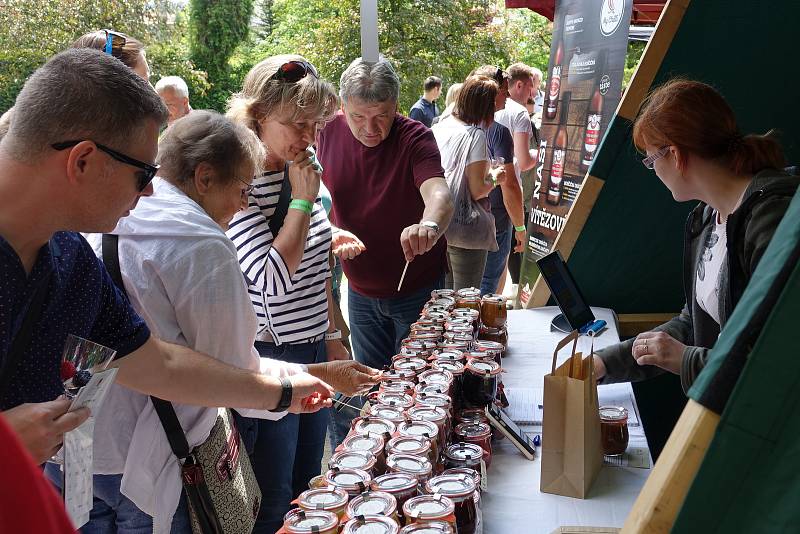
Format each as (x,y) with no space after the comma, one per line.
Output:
(694,117)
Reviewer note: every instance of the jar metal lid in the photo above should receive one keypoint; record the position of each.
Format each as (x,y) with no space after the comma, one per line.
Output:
(468,471)
(613,413)
(393,398)
(428,507)
(434,414)
(436,375)
(494,298)
(351,459)
(394,482)
(473,430)
(432,387)
(299,521)
(428,527)
(408,463)
(323,499)
(483,345)
(364,442)
(383,411)
(418,428)
(372,503)
(373,524)
(456,368)
(433,399)
(454,486)
(413,363)
(483,367)
(373,425)
(416,445)
(348,479)
(464,451)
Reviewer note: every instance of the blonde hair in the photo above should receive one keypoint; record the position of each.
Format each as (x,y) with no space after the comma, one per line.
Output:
(452,94)
(262,96)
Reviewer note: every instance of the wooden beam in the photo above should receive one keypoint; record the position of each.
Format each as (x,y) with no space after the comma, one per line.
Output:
(662,496)
(632,324)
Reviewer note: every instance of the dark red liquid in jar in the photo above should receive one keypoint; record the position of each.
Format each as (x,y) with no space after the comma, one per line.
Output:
(614,430)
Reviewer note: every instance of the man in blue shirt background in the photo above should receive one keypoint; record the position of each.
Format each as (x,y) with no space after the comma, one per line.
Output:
(424,110)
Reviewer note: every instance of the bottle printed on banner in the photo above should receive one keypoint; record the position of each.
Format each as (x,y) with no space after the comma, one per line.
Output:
(554,84)
(559,158)
(594,116)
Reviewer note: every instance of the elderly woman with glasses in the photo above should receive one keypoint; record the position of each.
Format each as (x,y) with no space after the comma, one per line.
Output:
(692,143)
(283,239)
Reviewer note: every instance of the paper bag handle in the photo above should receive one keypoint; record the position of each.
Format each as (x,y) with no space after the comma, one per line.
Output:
(573,336)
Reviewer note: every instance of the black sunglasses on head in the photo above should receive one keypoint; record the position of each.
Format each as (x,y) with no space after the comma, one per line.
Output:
(294,71)
(148,170)
(500,76)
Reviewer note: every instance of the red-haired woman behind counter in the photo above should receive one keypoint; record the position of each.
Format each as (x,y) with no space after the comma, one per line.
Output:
(691,141)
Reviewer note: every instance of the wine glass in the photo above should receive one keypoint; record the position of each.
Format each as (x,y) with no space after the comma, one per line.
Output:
(495,165)
(80,360)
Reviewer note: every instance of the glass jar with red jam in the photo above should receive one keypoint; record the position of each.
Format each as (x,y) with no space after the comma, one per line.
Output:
(371,524)
(497,335)
(373,425)
(461,490)
(401,485)
(349,459)
(493,311)
(456,369)
(435,415)
(397,400)
(471,415)
(469,302)
(614,430)
(429,508)
(299,521)
(478,433)
(422,428)
(391,413)
(428,527)
(373,503)
(328,499)
(373,444)
(397,386)
(416,466)
(353,481)
(463,455)
(480,383)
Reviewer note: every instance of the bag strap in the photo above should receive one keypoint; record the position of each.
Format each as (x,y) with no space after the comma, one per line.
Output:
(23,337)
(164,409)
(276,221)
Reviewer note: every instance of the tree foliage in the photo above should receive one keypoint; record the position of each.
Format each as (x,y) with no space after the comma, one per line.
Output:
(213,43)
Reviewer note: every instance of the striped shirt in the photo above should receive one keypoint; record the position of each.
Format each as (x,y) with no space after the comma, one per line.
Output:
(290,309)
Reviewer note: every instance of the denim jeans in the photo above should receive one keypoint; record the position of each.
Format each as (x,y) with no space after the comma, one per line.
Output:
(112,512)
(496,261)
(288,452)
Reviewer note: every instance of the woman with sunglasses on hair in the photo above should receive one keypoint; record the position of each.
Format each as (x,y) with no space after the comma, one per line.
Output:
(691,141)
(123,47)
(284,101)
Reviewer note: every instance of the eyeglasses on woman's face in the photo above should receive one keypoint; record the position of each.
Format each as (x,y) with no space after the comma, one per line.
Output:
(650,161)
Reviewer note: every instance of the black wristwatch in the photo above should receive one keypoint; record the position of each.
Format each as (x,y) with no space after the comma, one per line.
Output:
(286,396)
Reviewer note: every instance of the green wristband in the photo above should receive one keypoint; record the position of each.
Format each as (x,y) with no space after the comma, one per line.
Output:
(303,205)
(520,228)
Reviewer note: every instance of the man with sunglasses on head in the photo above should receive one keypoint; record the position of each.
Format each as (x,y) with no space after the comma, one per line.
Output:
(78,160)
(387,184)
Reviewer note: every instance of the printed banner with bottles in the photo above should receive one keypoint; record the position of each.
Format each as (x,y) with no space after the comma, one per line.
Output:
(583,88)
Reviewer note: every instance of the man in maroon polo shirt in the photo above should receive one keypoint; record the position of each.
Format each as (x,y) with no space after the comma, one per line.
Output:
(387,185)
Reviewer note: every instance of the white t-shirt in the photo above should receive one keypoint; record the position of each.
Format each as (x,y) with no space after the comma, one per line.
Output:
(708,270)
(449,133)
(514,117)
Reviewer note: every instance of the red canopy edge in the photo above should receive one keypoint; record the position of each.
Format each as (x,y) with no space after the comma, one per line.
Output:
(644,12)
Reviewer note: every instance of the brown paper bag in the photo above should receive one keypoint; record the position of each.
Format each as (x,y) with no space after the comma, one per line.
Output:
(571,448)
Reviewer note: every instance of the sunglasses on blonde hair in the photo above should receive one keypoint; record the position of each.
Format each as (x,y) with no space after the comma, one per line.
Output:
(294,71)
(114,41)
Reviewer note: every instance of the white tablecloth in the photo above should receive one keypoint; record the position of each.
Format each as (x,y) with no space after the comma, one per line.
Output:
(513,503)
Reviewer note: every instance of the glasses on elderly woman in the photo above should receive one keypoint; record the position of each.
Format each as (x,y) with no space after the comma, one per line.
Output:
(114,41)
(294,71)
(247,190)
(143,178)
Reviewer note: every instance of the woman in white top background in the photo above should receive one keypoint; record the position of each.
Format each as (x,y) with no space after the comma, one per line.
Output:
(472,115)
